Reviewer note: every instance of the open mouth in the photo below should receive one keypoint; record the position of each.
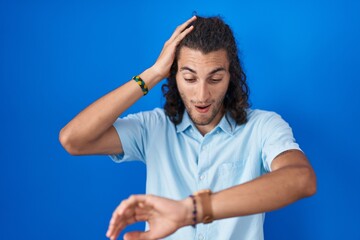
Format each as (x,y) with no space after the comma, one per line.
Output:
(203,108)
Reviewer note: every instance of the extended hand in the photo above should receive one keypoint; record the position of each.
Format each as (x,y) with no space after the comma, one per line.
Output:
(164,216)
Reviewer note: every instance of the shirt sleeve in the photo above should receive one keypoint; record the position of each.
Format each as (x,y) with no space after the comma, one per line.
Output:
(131,131)
(277,138)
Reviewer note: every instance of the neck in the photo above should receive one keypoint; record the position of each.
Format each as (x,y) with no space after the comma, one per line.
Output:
(206,128)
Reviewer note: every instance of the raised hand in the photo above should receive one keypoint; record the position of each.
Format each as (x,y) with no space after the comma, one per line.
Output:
(166,58)
(164,216)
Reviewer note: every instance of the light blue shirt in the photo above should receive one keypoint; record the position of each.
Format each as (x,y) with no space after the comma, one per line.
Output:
(180,161)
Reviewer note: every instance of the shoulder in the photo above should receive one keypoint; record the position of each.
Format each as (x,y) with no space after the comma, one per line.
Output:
(265,121)
(155,116)
(261,116)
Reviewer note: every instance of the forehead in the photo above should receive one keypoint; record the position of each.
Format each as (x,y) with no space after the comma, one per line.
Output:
(196,59)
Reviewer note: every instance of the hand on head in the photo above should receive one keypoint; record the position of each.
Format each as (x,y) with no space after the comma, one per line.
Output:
(166,58)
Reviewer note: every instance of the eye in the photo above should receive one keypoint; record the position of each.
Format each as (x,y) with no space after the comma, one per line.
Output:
(190,79)
(215,80)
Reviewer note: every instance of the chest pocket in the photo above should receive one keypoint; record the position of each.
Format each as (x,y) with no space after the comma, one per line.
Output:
(229,174)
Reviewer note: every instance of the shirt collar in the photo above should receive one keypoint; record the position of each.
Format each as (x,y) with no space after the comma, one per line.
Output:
(185,123)
(227,123)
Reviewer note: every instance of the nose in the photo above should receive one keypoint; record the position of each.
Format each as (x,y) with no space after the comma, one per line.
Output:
(203,92)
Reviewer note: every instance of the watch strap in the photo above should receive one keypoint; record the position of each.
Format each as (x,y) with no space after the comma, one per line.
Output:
(204,198)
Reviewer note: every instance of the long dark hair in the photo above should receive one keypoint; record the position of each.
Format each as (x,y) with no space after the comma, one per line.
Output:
(210,34)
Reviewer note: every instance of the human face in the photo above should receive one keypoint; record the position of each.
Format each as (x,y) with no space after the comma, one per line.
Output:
(202,81)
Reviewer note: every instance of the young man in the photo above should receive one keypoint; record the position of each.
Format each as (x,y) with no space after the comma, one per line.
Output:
(206,137)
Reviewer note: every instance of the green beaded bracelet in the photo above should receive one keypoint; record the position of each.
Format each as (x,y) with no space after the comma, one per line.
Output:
(142,84)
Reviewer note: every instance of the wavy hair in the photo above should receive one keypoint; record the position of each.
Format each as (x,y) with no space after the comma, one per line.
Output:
(210,34)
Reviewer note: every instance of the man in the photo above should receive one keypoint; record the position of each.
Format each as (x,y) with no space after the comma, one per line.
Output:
(206,137)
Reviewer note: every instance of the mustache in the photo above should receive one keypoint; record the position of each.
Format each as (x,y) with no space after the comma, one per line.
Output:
(202,102)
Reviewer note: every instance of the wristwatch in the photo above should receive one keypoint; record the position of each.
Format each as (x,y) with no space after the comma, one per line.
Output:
(204,198)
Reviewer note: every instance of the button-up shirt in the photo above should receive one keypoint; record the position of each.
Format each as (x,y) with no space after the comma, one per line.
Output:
(180,160)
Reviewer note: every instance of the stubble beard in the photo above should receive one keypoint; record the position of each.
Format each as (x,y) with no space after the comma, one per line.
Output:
(216,106)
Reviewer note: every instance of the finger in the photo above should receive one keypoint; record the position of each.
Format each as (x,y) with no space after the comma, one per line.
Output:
(181,28)
(142,217)
(135,199)
(126,208)
(114,222)
(117,217)
(114,231)
(124,215)
(120,217)
(142,211)
(183,34)
(130,217)
(116,225)
(142,214)
(137,235)
(144,206)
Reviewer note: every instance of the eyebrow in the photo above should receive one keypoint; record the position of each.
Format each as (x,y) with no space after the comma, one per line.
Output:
(219,69)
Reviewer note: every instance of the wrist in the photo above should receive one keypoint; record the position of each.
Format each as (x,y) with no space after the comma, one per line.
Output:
(198,208)
(189,212)
(151,77)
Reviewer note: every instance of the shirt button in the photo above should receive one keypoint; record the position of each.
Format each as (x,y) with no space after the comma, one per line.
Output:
(202,177)
(201,237)
(204,147)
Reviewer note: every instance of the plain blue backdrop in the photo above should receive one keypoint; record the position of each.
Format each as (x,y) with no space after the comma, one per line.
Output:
(302,61)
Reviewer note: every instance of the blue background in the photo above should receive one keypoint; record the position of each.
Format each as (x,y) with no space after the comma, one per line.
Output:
(302,61)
